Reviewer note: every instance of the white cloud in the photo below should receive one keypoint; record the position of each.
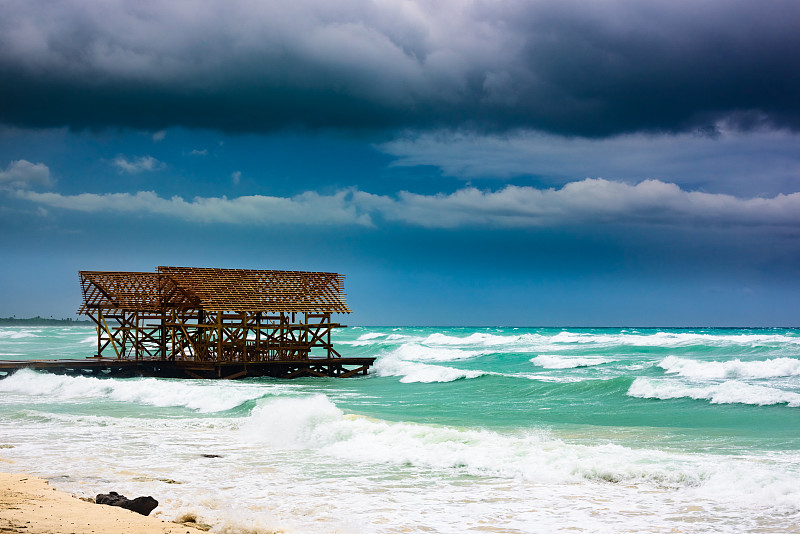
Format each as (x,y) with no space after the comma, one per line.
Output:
(22,174)
(308,208)
(590,201)
(159,135)
(141,164)
(197,152)
(236,176)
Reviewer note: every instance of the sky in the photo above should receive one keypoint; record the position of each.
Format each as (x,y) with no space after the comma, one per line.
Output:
(484,162)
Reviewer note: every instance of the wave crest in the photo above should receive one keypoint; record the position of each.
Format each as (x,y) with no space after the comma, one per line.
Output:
(18,334)
(315,423)
(772,368)
(421,372)
(729,392)
(150,391)
(551,361)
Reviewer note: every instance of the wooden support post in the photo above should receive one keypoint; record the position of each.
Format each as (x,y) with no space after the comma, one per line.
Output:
(258,335)
(172,334)
(219,337)
(162,346)
(99,330)
(110,337)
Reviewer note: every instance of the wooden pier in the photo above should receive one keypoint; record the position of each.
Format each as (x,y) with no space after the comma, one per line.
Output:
(125,368)
(189,322)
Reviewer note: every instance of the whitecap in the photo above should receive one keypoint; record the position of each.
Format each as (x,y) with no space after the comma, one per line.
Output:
(729,392)
(416,352)
(371,335)
(551,361)
(672,339)
(18,334)
(477,338)
(771,368)
(316,423)
(421,372)
(197,396)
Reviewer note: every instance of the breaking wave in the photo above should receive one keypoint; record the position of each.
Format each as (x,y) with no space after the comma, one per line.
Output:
(667,339)
(416,352)
(316,423)
(371,335)
(512,341)
(773,368)
(17,334)
(482,339)
(409,361)
(549,361)
(150,391)
(729,392)
(421,372)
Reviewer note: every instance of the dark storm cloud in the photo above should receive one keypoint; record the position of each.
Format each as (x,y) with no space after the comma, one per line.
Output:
(568,67)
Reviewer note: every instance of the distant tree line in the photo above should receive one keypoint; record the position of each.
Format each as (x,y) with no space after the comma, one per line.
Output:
(41,321)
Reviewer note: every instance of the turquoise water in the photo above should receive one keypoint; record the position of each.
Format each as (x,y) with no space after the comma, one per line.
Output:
(454,430)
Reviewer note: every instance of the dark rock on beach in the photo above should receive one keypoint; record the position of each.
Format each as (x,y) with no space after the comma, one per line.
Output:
(140,505)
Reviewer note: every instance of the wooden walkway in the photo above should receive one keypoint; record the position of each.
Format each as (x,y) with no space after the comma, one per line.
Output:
(121,368)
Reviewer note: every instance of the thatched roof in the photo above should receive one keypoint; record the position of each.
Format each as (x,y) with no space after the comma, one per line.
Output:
(236,290)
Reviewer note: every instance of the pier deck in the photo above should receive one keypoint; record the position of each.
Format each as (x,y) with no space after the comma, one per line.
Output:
(120,368)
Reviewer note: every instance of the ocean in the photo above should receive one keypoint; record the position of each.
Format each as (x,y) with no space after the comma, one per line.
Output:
(499,430)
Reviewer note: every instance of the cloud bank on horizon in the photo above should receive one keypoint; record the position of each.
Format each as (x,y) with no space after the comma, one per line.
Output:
(565,67)
(589,201)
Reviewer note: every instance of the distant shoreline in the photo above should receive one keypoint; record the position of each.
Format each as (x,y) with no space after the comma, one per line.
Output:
(41,321)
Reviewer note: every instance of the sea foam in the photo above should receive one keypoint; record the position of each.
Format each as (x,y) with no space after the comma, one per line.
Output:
(551,361)
(417,352)
(479,339)
(771,368)
(408,361)
(421,372)
(672,339)
(729,392)
(18,334)
(149,391)
(315,423)
(371,335)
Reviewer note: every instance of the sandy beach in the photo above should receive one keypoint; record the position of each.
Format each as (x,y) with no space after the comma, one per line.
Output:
(30,505)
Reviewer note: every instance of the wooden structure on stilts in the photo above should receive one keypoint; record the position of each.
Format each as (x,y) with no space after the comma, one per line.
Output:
(194,322)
